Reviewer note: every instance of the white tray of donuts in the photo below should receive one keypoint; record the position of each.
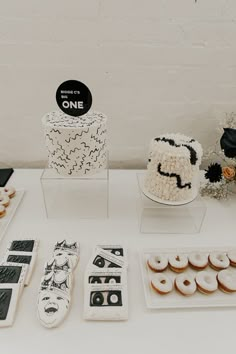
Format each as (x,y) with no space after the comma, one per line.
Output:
(10,199)
(189,277)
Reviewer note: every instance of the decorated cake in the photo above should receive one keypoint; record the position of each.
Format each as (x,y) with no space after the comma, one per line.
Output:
(173,168)
(76,146)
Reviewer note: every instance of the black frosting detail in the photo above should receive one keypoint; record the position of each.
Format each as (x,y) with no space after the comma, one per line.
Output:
(50,138)
(115,277)
(74,150)
(93,151)
(193,153)
(19,259)
(22,245)
(10,274)
(82,161)
(55,131)
(77,134)
(178,178)
(85,145)
(96,299)
(5,299)
(99,262)
(114,251)
(96,139)
(94,280)
(113,265)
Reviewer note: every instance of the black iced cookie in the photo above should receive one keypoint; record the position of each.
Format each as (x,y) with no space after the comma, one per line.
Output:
(22,245)
(5,299)
(10,274)
(19,259)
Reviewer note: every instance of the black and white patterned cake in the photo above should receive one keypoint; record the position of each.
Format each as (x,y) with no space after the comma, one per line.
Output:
(76,145)
(173,168)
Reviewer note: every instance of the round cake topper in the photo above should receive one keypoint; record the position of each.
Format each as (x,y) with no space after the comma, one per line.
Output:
(74,98)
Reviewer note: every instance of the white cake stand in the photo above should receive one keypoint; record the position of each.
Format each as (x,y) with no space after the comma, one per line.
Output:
(156,199)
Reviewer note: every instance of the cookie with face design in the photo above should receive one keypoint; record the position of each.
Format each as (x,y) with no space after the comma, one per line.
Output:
(65,250)
(57,280)
(57,264)
(53,306)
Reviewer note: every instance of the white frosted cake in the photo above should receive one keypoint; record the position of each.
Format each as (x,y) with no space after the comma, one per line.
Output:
(173,168)
(76,146)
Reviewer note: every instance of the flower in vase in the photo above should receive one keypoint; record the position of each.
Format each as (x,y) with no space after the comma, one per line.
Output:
(228,142)
(214,172)
(228,172)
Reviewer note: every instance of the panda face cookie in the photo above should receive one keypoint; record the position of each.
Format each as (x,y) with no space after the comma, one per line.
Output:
(52,307)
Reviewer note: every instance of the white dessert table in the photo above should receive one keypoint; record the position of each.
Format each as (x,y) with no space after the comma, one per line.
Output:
(146,331)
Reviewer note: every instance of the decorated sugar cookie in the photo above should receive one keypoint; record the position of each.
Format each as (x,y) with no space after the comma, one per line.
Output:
(53,307)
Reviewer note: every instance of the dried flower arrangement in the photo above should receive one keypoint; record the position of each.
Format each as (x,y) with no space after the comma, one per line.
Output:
(220,176)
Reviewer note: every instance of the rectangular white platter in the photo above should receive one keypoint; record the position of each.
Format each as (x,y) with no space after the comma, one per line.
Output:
(10,211)
(175,299)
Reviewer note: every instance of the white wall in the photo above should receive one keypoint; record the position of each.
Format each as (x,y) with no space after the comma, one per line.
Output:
(152,65)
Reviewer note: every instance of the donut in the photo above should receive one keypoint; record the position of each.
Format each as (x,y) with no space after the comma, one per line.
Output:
(232,258)
(218,260)
(9,191)
(161,283)
(4,200)
(2,211)
(157,263)
(206,282)
(198,261)
(185,284)
(178,262)
(227,280)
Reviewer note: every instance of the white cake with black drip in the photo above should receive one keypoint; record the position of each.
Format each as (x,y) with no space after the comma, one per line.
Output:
(76,146)
(173,168)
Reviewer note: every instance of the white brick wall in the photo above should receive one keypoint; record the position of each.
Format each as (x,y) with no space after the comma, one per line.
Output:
(153,66)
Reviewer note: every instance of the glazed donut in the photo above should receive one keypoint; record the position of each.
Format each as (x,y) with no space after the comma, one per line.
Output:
(218,260)
(227,280)
(9,191)
(4,200)
(161,283)
(206,282)
(178,262)
(158,263)
(198,261)
(2,211)
(185,284)
(232,258)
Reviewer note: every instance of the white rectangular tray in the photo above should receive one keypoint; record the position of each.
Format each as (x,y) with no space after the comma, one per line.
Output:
(10,211)
(175,299)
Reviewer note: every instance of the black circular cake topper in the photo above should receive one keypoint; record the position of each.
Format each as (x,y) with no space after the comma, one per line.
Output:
(74,98)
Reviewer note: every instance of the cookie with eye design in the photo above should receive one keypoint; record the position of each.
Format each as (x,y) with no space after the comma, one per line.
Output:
(53,307)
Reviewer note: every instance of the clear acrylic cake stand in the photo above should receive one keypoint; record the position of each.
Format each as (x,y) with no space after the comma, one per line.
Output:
(160,218)
(75,197)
